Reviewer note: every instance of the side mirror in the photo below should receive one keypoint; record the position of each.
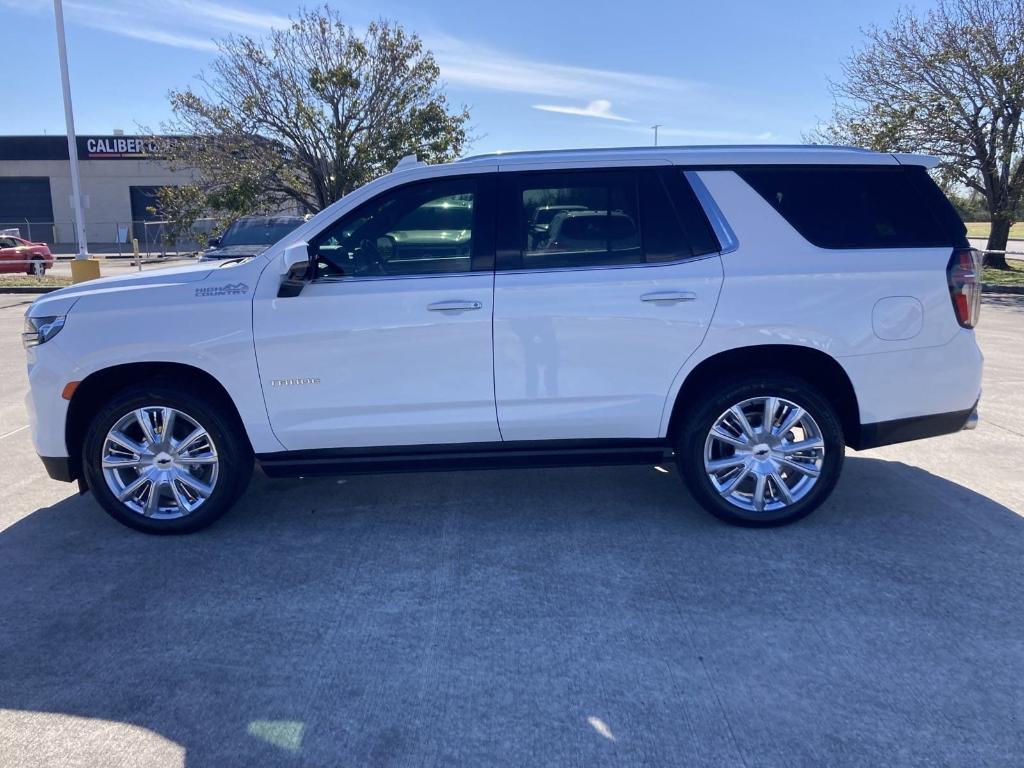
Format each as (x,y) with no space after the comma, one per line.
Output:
(295,269)
(213,242)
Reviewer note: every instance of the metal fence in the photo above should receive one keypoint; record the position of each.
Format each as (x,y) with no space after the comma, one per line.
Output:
(156,238)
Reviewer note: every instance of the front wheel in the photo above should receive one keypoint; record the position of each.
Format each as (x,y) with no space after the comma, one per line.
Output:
(765,451)
(165,460)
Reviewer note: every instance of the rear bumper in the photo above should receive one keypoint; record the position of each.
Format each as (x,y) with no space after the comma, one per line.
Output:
(914,428)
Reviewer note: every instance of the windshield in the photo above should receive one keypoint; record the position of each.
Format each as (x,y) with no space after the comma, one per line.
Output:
(258,231)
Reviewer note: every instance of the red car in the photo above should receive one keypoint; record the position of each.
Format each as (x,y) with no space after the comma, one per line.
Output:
(17,255)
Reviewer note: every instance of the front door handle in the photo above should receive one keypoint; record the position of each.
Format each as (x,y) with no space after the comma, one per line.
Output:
(454,306)
(669,297)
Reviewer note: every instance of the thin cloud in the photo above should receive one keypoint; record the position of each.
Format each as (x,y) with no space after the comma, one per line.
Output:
(191,24)
(474,66)
(599,108)
(227,16)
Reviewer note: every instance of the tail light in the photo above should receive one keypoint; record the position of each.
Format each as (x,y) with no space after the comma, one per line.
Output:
(964,275)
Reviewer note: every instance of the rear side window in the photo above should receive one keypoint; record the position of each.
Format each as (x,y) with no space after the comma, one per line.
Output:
(600,218)
(860,207)
(579,220)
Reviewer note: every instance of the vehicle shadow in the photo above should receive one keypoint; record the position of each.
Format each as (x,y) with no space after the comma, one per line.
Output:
(557,617)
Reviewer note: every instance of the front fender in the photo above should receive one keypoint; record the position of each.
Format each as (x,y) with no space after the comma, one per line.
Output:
(205,324)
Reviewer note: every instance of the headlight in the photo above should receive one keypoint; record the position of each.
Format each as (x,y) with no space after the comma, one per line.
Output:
(41,329)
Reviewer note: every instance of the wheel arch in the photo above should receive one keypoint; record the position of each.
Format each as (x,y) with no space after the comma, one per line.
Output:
(818,368)
(99,386)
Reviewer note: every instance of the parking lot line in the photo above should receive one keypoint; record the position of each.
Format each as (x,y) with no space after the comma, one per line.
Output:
(14,431)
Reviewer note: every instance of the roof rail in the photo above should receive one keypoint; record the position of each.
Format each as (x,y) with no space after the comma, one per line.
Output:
(662,148)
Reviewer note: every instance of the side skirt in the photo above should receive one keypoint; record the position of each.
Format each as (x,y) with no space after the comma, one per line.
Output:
(439,458)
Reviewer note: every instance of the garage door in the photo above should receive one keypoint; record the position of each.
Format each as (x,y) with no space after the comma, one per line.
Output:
(25,199)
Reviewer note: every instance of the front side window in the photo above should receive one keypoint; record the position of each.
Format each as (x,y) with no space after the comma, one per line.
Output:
(419,229)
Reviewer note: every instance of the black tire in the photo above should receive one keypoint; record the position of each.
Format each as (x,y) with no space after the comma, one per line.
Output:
(234,454)
(693,435)
(34,265)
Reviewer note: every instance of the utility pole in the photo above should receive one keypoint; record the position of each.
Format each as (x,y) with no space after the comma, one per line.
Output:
(69,119)
(656,126)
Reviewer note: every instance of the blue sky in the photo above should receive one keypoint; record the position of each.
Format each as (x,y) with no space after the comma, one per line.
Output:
(535,73)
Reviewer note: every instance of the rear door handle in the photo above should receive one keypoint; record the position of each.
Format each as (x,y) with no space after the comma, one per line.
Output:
(669,297)
(454,306)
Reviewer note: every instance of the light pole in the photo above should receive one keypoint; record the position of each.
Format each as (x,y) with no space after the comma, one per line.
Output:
(656,126)
(69,119)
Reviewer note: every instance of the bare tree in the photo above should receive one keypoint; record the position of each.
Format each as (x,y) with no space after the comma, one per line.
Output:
(311,113)
(949,83)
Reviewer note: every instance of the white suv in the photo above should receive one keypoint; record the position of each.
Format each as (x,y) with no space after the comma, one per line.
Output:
(750,311)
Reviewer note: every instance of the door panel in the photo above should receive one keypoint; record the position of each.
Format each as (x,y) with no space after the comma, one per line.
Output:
(385,365)
(593,353)
(391,344)
(607,282)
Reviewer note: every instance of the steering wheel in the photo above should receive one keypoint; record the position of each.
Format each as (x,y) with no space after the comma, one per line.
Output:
(371,255)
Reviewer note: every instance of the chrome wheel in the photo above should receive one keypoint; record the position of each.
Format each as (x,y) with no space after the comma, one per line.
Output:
(37,268)
(764,454)
(160,462)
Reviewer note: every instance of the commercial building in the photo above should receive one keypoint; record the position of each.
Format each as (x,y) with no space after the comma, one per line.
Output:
(120,180)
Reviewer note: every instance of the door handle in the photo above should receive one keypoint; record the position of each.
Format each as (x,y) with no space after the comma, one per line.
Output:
(669,297)
(454,306)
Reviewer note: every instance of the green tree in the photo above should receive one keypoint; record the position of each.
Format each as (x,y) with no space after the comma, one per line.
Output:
(949,83)
(310,113)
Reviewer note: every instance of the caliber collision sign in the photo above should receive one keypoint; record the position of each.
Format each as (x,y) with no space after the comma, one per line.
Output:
(114,147)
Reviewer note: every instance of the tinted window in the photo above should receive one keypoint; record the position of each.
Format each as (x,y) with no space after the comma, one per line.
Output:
(602,218)
(424,228)
(578,220)
(860,207)
(672,230)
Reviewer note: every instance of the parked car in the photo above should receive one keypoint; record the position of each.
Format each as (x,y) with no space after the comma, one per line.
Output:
(249,236)
(541,218)
(765,308)
(19,255)
(574,231)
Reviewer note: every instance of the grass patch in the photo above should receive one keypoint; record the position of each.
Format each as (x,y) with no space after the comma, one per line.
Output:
(1012,276)
(981,229)
(28,281)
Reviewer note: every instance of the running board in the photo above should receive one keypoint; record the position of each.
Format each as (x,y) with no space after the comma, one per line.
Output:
(441,458)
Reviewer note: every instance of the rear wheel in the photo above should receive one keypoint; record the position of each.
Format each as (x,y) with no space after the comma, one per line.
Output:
(165,460)
(767,450)
(37,267)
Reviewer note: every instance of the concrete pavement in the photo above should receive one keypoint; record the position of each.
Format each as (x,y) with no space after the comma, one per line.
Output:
(580,617)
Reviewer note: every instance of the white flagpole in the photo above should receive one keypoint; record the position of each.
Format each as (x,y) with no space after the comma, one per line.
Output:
(69,119)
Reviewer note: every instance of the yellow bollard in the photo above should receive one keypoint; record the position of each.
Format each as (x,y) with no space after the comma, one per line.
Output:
(84,269)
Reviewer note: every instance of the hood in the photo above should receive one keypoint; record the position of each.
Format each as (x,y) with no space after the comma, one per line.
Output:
(60,302)
(235,251)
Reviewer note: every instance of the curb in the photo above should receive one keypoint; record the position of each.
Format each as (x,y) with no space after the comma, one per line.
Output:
(996,288)
(22,289)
